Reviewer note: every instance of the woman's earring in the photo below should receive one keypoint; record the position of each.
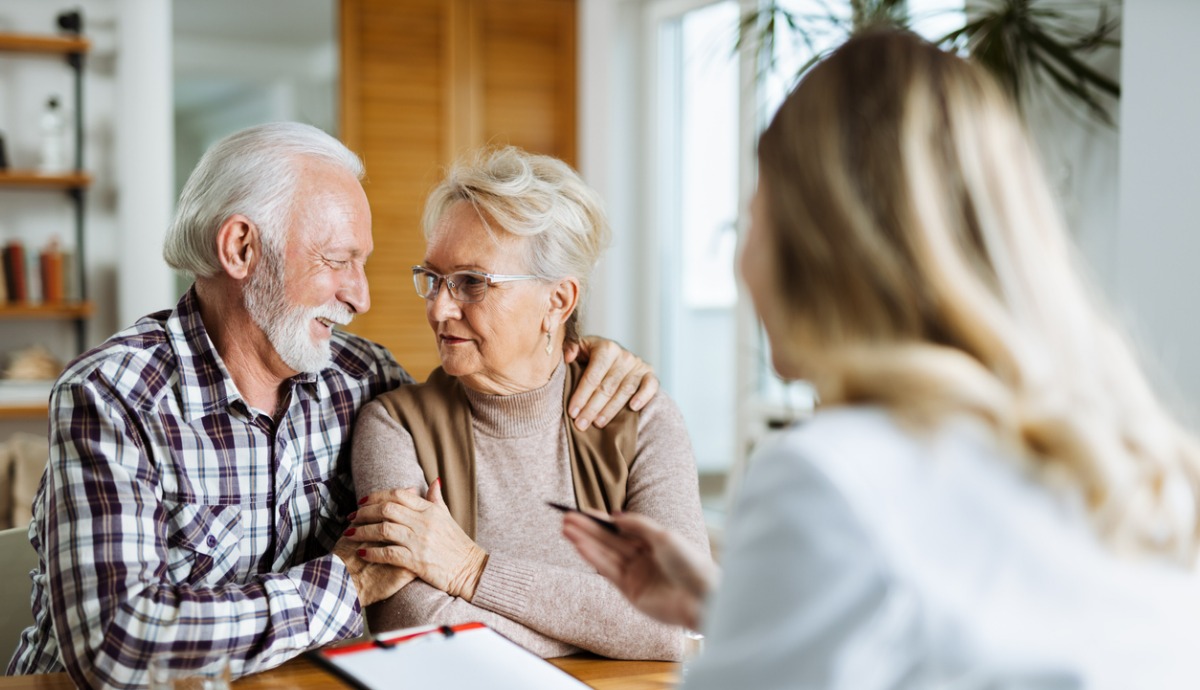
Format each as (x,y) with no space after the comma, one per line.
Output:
(549,341)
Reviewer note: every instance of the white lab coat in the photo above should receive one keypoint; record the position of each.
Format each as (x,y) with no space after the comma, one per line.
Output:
(861,555)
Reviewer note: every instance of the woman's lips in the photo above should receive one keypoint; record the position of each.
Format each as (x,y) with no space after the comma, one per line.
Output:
(451,340)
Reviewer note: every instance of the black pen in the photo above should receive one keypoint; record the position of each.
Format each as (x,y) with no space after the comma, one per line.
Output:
(606,524)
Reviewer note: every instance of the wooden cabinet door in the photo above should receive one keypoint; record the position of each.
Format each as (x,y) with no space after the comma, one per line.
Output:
(424,81)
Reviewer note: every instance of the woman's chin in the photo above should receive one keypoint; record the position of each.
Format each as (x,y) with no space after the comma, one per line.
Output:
(457,366)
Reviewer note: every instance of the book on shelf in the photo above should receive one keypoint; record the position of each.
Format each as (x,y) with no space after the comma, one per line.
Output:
(70,276)
(14,272)
(46,277)
(50,263)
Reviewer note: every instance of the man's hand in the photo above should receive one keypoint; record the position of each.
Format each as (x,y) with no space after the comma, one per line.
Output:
(613,377)
(373,581)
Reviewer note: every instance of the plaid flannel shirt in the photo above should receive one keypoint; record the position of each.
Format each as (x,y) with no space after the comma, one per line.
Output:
(173,517)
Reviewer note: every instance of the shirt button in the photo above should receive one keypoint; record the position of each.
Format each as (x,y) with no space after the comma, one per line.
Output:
(212,541)
(283,511)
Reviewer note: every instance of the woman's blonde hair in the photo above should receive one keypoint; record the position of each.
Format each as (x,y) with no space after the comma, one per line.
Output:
(533,196)
(926,268)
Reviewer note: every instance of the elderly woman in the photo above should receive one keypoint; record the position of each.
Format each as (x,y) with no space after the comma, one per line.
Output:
(454,475)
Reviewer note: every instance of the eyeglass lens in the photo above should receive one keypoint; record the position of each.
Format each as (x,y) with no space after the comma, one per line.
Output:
(464,286)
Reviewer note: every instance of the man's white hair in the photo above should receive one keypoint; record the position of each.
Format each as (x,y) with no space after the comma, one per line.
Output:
(253,172)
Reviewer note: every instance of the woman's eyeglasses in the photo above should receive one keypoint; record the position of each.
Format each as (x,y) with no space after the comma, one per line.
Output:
(464,286)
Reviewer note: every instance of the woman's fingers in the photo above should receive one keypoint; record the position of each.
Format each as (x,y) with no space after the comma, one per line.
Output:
(636,525)
(384,532)
(608,562)
(409,497)
(407,508)
(388,555)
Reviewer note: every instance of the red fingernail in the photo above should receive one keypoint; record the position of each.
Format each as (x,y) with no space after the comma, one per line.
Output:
(362,500)
(351,516)
(350,532)
(362,553)
(438,480)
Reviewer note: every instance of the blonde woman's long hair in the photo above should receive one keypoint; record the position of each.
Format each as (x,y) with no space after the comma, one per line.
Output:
(926,269)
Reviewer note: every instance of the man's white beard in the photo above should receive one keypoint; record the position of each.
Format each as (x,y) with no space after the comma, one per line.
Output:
(288,327)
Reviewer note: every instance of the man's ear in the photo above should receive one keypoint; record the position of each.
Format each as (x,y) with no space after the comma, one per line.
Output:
(239,246)
(563,300)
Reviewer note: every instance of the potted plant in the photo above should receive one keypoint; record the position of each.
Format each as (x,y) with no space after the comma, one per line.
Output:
(1022,42)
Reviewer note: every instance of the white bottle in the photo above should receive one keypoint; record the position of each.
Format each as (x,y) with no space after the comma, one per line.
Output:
(54,139)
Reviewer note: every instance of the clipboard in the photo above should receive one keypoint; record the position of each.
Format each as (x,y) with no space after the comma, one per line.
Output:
(470,655)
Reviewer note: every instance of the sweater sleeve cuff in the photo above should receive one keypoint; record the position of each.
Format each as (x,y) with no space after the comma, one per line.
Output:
(504,587)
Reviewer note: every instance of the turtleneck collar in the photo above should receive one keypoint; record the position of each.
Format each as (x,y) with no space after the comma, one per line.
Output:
(520,414)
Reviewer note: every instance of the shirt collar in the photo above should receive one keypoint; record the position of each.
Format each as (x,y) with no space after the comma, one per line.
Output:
(205,383)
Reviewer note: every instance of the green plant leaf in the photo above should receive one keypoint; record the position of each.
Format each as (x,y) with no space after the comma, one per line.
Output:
(1023,43)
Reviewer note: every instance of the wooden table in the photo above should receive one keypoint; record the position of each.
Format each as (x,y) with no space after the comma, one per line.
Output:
(302,674)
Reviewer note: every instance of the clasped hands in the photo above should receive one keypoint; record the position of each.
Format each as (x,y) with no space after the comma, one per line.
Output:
(401,528)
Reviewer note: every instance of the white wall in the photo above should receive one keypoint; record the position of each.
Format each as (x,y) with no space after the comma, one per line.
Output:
(145,135)
(610,160)
(1158,244)
(127,150)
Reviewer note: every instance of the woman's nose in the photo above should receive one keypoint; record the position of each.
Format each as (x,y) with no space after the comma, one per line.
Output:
(443,306)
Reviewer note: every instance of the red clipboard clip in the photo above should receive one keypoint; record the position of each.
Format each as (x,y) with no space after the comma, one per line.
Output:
(382,641)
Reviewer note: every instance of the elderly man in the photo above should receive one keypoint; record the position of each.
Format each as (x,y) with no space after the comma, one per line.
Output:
(198,476)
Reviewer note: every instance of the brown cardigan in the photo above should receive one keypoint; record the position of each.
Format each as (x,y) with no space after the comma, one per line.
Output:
(438,416)
(535,589)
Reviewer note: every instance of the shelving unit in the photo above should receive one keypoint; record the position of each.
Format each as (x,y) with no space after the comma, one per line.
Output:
(23,411)
(74,183)
(37,180)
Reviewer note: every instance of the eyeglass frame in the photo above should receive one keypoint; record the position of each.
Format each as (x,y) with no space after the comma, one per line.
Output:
(490,279)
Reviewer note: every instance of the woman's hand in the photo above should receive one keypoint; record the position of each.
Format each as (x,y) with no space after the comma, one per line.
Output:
(373,581)
(419,534)
(613,376)
(662,575)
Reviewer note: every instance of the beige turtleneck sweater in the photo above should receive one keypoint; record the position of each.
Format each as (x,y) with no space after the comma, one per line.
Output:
(535,589)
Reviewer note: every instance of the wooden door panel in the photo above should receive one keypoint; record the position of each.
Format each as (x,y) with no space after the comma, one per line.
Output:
(424,81)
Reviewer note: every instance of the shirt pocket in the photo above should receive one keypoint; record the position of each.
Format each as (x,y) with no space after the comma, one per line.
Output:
(319,518)
(203,543)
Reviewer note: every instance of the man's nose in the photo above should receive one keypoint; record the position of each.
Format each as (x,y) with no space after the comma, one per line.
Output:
(355,292)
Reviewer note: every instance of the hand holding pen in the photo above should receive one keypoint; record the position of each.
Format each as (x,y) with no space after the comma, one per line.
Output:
(658,572)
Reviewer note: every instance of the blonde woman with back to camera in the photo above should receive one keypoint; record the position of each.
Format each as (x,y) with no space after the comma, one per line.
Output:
(455,474)
(990,495)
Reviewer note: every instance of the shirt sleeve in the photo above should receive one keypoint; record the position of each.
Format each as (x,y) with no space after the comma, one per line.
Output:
(550,610)
(112,563)
(805,593)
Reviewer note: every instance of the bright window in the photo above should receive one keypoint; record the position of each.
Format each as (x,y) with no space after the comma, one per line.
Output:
(704,110)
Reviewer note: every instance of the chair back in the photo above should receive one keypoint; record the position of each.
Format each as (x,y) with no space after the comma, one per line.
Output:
(17,558)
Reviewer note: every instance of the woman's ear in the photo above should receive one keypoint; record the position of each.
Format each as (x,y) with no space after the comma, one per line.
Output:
(238,246)
(563,300)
